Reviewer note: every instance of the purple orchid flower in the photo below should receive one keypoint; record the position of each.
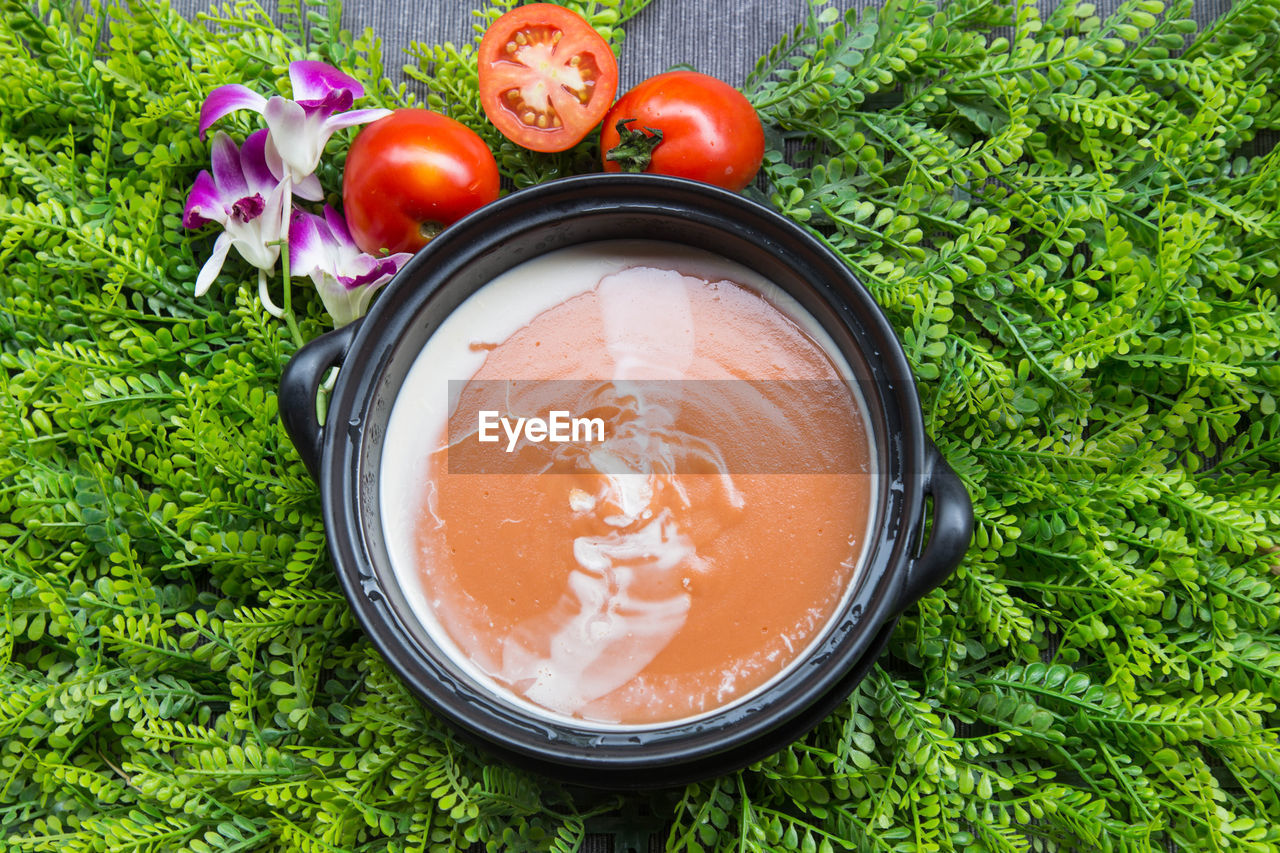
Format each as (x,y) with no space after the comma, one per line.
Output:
(299,129)
(347,278)
(247,200)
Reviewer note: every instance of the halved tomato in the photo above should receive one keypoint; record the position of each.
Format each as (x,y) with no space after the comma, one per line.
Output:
(546,77)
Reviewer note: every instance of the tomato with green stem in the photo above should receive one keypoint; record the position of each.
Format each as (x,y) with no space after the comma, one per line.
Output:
(686,124)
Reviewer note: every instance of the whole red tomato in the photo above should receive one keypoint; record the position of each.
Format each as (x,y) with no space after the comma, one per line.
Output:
(410,174)
(546,77)
(685,124)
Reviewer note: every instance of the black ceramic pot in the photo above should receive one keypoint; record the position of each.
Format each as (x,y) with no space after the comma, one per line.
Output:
(344,457)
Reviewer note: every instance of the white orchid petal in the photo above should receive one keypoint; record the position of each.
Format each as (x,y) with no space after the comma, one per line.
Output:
(256,251)
(298,139)
(253,163)
(213,266)
(250,243)
(228,174)
(343,304)
(265,297)
(307,238)
(361,297)
(350,119)
(204,203)
(337,300)
(274,161)
(227,99)
(278,209)
(308,188)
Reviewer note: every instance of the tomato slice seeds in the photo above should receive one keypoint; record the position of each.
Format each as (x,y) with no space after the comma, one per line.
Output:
(546,77)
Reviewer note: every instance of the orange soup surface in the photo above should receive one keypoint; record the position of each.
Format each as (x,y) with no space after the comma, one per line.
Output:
(680,563)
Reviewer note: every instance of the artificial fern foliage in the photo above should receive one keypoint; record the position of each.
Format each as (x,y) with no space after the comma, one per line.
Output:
(1074,223)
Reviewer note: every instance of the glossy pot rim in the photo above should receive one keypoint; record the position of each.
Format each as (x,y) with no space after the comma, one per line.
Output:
(625,758)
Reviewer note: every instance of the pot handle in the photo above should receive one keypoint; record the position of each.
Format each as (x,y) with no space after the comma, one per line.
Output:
(949,538)
(299,383)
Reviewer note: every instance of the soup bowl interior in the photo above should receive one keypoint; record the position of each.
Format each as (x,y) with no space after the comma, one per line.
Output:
(346,455)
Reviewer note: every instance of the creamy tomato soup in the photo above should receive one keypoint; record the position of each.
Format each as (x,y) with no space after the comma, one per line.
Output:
(677,560)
